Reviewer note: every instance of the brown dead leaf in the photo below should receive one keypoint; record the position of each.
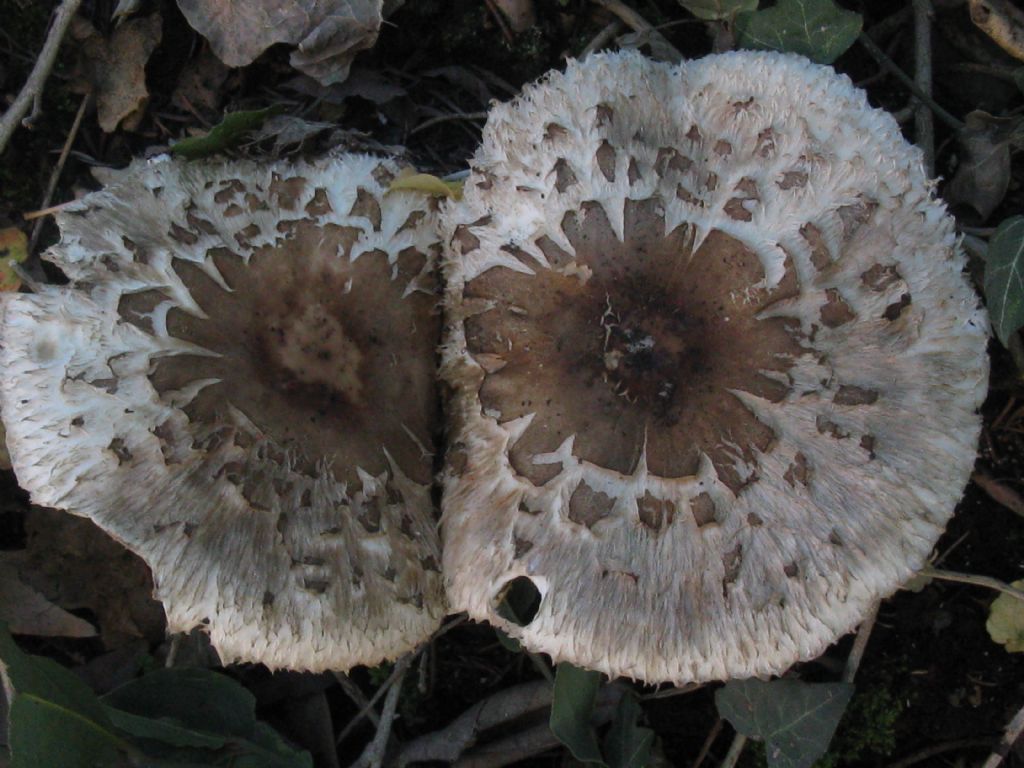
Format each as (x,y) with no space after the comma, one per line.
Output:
(200,84)
(1002,21)
(520,14)
(983,175)
(74,564)
(114,69)
(28,612)
(328,33)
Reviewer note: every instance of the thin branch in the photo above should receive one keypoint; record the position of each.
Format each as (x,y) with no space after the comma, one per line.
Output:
(454,744)
(172,651)
(58,169)
(860,644)
(357,697)
(373,755)
(671,691)
(924,123)
(448,744)
(937,749)
(397,673)
(880,56)
(974,579)
(708,742)
(446,118)
(602,38)
(1013,732)
(735,750)
(640,25)
(532,741)
(1002,494)
(33,88)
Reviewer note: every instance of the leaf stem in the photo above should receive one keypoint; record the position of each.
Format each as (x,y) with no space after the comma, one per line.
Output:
(973,579)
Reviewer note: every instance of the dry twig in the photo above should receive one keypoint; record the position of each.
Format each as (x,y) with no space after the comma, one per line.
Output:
(1013,732)
(882,58)
(924,123)
(373,755)
(937,749)
(640,25)
(453,744)
(58,169)
(708,742)
(33,88)
(1001,493)
(860,644)
(973,579)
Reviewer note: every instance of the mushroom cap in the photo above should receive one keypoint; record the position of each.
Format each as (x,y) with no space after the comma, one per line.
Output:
(715,368)
(238,385)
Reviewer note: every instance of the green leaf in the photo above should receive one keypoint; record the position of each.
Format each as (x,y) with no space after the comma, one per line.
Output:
(718,10)
(817,29)
(55,719)
(199,715)
(13,250)
(1005,623)
(572,706)
(508,643)
(195,698)
(628,744)
(227,134)
(1004,278)
(796,720)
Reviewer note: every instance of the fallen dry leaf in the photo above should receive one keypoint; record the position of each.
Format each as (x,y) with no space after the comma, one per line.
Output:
(1003,22)
(200,84)
(983,175)
(328,33)
(76,565)
(28,612)
(520,14)
(114,69)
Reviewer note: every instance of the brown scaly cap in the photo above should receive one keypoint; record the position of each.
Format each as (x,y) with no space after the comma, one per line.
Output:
(238,384)
(715,369)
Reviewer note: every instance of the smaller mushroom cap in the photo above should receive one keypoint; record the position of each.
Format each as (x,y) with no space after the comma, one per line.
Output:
(238,384)
(715,367)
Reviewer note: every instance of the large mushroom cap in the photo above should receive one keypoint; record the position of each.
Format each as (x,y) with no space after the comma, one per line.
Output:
(238,385)
(715,366)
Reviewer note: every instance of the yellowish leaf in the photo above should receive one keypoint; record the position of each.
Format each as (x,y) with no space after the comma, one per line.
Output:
(13,250)
(1005,622)
(430,185)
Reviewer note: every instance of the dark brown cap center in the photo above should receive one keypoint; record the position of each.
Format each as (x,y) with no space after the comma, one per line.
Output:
(633,345)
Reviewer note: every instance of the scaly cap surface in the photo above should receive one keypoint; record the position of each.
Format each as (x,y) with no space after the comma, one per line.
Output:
(715,368)
(238,385)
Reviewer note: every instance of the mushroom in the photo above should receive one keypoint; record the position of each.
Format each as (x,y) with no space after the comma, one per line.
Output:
(238,385)
(714,366)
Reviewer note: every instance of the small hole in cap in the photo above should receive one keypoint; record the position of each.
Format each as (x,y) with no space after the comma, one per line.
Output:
(518,601)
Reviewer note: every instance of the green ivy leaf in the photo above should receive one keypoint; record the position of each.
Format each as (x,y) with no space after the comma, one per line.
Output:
(796,720)
(1004,278)
(628,744)
(1005,623)
(198,714)
(817,29)
(55,719)
(718,10)
(572,706)
(227,134)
